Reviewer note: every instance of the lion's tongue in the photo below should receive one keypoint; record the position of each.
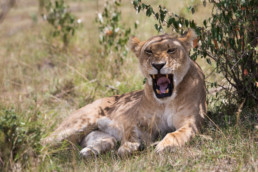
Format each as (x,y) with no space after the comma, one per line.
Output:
(163,84)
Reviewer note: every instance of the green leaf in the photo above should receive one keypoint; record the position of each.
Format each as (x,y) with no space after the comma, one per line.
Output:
(157,16)
(192,24)
(175,23)
(163,13)
(135,3)
(162,16)
(217,32)
(205,23)
(231,42)
(135,25)
(193,10)
(186,22)
(170,21)
(204,3)
(194,56)
(156,27)
(117,3)
(208,61)
(139,9)
(143,6)
(149,11)
(144,80)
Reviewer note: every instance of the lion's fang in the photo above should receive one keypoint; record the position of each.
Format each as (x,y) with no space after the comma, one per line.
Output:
(158,91)
(167,90)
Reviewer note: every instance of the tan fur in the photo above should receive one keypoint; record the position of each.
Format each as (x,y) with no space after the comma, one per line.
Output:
(141,117)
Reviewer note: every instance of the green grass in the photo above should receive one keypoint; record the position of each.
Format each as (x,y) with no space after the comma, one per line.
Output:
(41,84)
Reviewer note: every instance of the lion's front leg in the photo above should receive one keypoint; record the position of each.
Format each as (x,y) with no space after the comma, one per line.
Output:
(177,138)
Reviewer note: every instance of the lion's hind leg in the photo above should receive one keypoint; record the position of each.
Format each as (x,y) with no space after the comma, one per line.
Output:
(110,127)
(97,142)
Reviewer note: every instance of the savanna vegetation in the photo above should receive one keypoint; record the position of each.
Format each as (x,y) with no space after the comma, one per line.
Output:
(57,56)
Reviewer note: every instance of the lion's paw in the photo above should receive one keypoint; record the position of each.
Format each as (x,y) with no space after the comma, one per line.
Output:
(88,152)
(128,148)
(165,145)
(161,147)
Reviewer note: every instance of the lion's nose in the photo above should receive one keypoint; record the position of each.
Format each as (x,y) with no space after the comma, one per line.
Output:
(158,66)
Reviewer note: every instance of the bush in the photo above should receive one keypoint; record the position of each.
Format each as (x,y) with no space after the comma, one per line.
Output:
(58,15)
(19,138)
(228,38)
(113,35)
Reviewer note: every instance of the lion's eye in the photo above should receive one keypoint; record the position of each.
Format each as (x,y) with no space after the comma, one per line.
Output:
(171,50)
(149,52)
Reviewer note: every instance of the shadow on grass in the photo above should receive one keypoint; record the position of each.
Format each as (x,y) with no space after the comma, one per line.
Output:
(226,116)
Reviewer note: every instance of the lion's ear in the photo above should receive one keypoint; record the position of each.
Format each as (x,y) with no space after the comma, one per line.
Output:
(188,39)
(136,45)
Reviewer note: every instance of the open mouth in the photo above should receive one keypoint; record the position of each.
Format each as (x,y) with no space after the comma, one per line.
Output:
(162,85)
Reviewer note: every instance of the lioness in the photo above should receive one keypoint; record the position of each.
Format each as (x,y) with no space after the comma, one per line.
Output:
(172,104)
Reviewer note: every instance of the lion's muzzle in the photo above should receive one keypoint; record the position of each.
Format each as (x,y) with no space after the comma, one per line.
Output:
(162,85)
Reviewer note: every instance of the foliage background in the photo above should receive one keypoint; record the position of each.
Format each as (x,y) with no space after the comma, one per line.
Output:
(41,83)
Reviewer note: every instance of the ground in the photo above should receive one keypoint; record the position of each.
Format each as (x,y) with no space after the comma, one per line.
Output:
(41,83)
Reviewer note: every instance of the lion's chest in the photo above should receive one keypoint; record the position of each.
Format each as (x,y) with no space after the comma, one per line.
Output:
(159,122)
(165,120)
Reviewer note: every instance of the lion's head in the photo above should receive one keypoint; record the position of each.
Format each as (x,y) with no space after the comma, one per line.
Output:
(164,61)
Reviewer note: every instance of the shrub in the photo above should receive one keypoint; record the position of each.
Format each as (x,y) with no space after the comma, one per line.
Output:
(228,38)
(19,138)
(58,15)
(113,35)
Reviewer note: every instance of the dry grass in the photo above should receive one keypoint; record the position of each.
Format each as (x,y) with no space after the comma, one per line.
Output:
(43,83)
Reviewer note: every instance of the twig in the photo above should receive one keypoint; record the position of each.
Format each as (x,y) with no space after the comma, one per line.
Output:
(215,90)
(210,73)
(216,125)
(1,161)
(225,87)
(5,9)
(79,73)
(111,87)
(239,110)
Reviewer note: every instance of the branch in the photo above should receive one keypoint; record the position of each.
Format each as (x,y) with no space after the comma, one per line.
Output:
(215,59)
(5,9)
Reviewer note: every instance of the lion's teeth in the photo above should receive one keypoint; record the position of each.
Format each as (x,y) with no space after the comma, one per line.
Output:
(158,91)
(167,75)
(167,90)
(153,76)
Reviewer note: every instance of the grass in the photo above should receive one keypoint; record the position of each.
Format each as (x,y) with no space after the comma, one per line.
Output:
(41,84)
